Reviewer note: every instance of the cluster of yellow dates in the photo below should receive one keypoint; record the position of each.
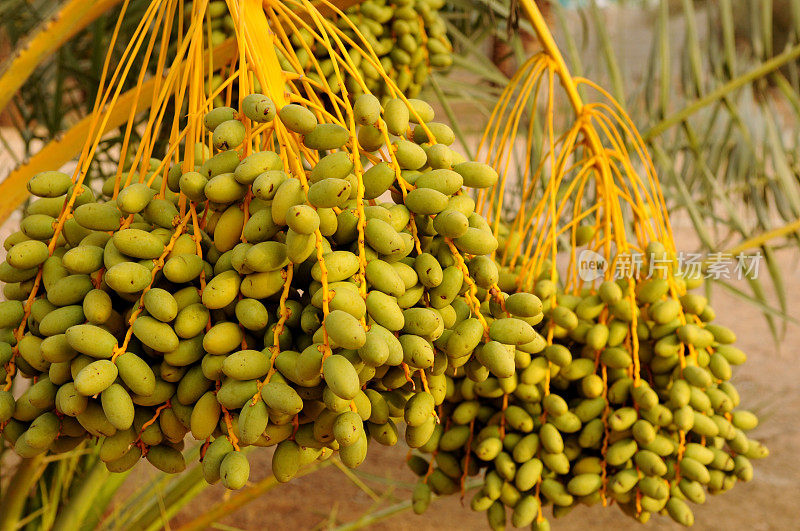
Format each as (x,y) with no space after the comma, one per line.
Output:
(589,418)
(409,39)
(255,297)
(313,300)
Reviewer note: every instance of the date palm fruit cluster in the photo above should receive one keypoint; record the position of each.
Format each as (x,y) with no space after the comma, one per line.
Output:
(253,302)
(573,424)
(409,38)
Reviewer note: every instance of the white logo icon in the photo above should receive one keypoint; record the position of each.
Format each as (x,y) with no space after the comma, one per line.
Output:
(591,265)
